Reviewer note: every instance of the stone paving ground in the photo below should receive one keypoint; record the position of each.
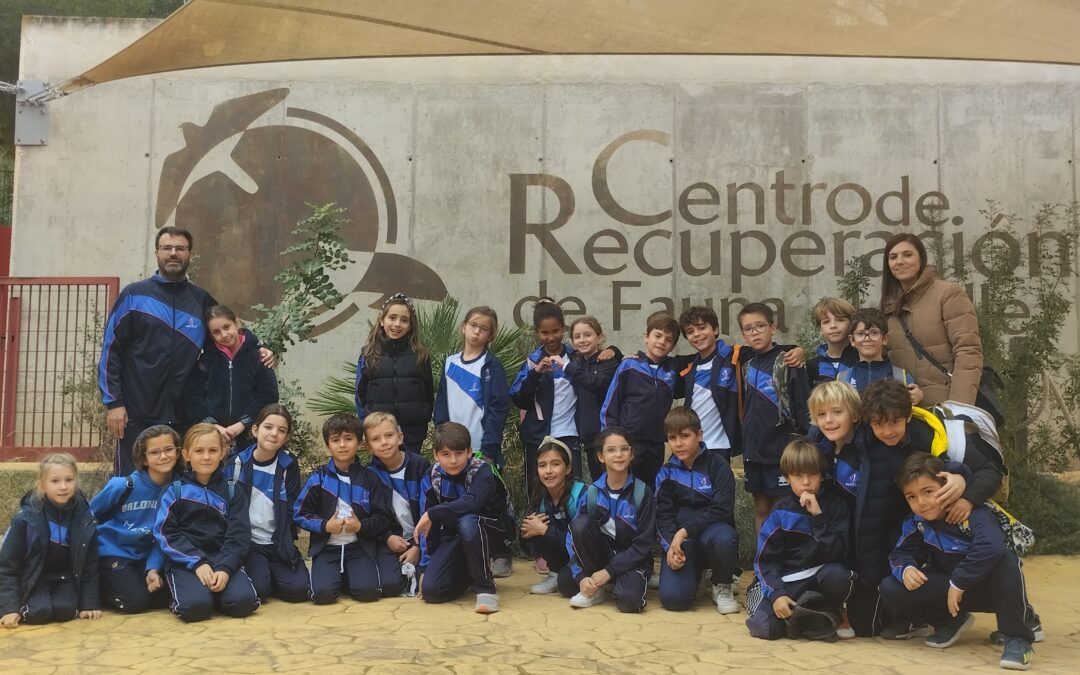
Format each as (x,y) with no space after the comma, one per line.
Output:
(533,634)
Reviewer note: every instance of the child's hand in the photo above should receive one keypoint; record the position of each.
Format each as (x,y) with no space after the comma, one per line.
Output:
(588,587)
(913,578)
(959,511)
(543,365)
(782,606)
(675,558)
(153,581)
(90,614)
(225,437)
(916,393)
(221,579)
(600,578)
(397,544)
(335,526)
(606,355)
(351,525)
(534,525)
(795,358)
(808,500)
(205,574)
(952,490)
(267,357)
(411,556)
(955,596)
(422,527)
(235,430)
(10,620)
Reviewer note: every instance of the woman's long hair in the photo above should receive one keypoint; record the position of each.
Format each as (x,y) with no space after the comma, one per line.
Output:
(891,290)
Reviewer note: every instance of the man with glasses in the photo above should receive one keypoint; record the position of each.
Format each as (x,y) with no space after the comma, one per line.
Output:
(152,341)
(870,337)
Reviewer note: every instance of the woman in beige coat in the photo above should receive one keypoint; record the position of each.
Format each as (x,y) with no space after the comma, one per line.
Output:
(940,316)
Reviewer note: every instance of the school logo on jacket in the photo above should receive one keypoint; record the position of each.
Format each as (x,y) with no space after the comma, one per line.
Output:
(243,179)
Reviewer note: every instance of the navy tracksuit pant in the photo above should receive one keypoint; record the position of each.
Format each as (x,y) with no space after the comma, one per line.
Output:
(1001,592)
(648,458)
(272,576)
(556,556)
(594,551)
(716,549)
(52,599)
(368,570)
(123,586)
(191,601)
(461,559)
(833,580)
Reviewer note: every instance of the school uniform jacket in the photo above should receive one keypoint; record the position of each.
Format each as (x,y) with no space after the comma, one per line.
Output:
(794,544)
(200,524)
(456,496)
(861,373)
(771,420)
(407,488)
(721,383)
(152,341)
(694,498)
(126,530)
(823,368)
(285,487)
(987,469)
(494,400)
(967,552)
(559,516)
(591,378)
(365,493)
(25,546)
(635,528)
(224,391)
(640,397)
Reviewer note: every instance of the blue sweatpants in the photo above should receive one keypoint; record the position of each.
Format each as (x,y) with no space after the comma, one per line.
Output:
(191,601)
(123,586)
(272,576)
(833,580)
(52,599)
(368,570)
(717,549)
(461,560)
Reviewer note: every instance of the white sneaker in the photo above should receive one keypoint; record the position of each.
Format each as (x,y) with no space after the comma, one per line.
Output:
(735,579)
(581,602)
(724,599)
(501,567)
(550,584)
(486,603)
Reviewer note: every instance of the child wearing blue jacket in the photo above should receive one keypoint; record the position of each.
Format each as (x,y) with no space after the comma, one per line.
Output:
(48,560)
(641,395)
(610,540)
(695,516)
(402,472)
(203,529)
(591,378)
(464,506)
(552,388)
(870,337)
(832,316)
(270,478)
(552,505)
(802,546)
(941,572)
(229,385)
(710,383)
(131,561)
(348,512)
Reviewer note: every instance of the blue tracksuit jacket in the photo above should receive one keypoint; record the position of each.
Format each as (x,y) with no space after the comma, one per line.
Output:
(721,382)
(767,424)
(967,552)
(635,529)
(640,396)
(126,530)
(318,502)
(223,391)
(285,486)
(407,488)
(457,496)
(694,498)
(199,524)
(861,373)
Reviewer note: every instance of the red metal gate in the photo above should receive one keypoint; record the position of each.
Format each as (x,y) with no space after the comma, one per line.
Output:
(50,343)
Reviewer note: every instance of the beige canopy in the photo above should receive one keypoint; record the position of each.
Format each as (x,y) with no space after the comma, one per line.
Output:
(227,32)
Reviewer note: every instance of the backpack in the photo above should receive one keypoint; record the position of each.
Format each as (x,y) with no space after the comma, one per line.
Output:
(949,420)
(507,519)
(593,493)
(111,511)
(1019,538)
(237,464)
(571,501)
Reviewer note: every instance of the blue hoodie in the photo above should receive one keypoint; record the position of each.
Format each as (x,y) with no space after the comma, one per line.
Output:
(126,530)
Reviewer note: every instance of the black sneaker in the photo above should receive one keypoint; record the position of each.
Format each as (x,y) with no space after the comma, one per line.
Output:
(998,638)
(949,632)
(905,631)
(1017,654)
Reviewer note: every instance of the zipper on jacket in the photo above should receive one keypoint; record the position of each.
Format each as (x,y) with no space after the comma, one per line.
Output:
(230,391)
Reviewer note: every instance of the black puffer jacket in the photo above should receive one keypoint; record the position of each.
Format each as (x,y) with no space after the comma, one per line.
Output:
(398,384)
(22,556)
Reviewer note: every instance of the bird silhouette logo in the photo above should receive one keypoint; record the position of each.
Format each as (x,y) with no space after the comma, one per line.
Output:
(240,184)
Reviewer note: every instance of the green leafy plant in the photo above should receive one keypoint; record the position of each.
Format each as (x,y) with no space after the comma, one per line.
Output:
(854,286)
(305,283)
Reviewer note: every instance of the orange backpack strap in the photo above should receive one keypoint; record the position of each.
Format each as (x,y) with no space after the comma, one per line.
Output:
(735,353)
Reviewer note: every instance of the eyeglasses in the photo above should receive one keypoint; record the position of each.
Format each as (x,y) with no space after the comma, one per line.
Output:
(172,249)
(862,335)
(161,452)
(479,328)
(754,329)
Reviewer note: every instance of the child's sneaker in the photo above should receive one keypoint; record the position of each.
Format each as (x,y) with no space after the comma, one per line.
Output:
(949,632)
(654,582)
(501,567)
(724,597)
(1033,622)
(905,631)
(541,566)
(1017,654)
(580,601)
(844,631)
(487,603)
(549,585)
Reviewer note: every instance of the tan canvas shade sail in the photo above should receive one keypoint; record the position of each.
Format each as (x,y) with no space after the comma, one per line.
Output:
(207,33)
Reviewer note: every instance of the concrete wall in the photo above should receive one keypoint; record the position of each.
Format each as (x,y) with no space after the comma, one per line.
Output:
(621,186)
